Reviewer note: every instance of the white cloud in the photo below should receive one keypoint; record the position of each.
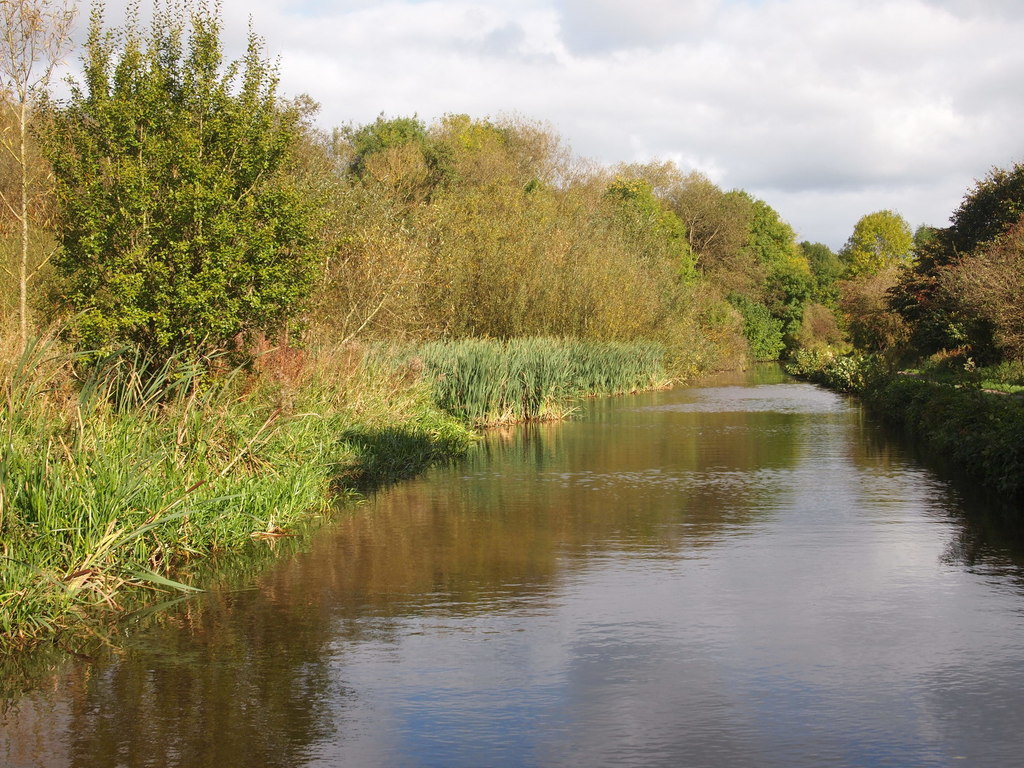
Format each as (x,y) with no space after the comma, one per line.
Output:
(594,27)
(827,110)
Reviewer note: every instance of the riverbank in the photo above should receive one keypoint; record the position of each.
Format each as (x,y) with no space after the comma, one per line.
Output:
(967,429)
(115,476)
(111,479)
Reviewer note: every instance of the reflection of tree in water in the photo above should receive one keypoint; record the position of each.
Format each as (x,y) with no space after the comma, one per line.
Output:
(255,676)
(991,534)
(232,679)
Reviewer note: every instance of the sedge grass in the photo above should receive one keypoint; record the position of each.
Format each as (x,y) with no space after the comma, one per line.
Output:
(111,478)
(485,381)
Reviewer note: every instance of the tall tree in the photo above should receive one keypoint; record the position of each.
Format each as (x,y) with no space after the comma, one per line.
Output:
(34,38)
(994,205)
(989,288)
(923,297)
(717,222)
(826,267)
(181,225)
(880,240)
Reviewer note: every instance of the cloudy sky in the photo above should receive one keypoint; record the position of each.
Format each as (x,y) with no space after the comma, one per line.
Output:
(826,109)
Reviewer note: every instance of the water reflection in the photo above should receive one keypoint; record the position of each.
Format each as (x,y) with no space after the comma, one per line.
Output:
(733,575)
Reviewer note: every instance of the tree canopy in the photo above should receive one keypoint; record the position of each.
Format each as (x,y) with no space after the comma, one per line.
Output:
(181,227)
(940,297)
(880,240)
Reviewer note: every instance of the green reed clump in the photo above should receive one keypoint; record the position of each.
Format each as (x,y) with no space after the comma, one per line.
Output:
(488,381)
(114,476)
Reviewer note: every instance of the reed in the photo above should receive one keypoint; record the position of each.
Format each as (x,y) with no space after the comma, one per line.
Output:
(117,472)
(112,477)
(483,381)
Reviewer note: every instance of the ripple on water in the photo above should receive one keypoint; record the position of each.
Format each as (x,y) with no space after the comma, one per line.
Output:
(767,398)
(727,480)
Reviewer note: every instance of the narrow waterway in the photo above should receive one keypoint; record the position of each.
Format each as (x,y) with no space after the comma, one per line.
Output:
(748,573)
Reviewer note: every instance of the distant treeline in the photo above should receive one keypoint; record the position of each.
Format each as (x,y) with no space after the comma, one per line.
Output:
(177,202)
(180,203)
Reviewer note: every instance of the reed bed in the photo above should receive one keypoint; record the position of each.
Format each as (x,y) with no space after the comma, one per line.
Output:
(113,476)
(117,474)
(484,381)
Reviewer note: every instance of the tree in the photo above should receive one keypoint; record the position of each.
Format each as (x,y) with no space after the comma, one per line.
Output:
(34,37)
(924,297)
(380,135)
(826,267)
(180,223)
(717,223)
(763,331)
(650,226)
(872,324)
(989,286)
(987,211)
(880,240)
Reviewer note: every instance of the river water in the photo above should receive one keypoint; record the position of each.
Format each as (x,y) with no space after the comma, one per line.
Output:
(748,573)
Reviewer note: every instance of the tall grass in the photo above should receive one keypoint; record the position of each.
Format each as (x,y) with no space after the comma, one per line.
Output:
(114,476)
(488,381)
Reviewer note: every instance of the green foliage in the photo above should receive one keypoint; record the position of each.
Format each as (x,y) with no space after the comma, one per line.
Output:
(987,211)
(988,286)
(826,268)
(926,296)
(381,135)
(762,330)
(180,225)
(511,249)
(485,382)
(772,241)
(120,481)
(880,240)
(717,224)
(1005,377)
(924,235)
(657,232)
(975,434)
(783,285)
(855,372)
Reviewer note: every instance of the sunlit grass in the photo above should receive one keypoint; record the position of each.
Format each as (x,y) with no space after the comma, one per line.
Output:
(114,475)
(487,381)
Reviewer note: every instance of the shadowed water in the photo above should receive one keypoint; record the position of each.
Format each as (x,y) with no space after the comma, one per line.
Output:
(744,574)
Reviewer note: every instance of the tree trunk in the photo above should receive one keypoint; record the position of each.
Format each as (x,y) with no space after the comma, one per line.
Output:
(23,263)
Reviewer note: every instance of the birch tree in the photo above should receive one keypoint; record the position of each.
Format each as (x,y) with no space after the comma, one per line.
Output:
(35,35)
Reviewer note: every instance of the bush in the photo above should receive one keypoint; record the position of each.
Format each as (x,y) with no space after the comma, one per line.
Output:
(764,332)
(854,373)
(180,227)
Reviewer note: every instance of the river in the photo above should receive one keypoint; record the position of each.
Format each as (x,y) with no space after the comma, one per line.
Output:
(748,573)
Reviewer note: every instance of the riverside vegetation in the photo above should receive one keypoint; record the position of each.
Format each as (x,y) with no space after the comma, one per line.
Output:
(117,472)
(218,317)
(969,427)
(939,337)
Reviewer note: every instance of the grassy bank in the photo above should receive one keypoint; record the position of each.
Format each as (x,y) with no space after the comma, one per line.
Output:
(116,474)
(974,432)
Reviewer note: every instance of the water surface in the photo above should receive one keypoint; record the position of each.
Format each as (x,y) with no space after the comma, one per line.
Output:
(744,574)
